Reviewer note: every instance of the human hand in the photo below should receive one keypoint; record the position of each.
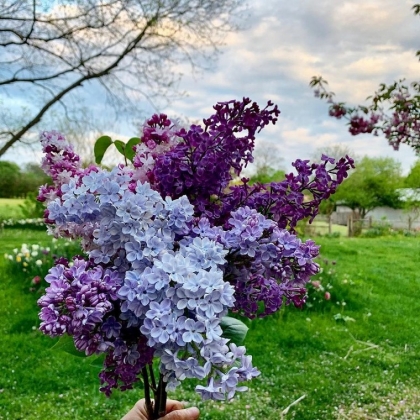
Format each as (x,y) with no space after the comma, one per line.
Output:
(174,409)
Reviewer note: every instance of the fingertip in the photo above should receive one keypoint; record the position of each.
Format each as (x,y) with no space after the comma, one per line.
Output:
(193,412)
(172,405)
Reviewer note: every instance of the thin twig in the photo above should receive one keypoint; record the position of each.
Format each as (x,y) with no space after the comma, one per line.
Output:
(286,410)
(348,353)
(366,349)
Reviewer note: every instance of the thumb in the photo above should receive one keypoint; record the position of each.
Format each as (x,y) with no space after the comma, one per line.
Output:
(191,413)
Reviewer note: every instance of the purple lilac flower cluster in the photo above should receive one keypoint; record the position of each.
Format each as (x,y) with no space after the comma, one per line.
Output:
(171,287)
(201,165)
(171,248)
(77,302)
(266,264)
(295,198)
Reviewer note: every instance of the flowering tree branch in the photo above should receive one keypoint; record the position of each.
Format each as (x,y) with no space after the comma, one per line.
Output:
(394,110)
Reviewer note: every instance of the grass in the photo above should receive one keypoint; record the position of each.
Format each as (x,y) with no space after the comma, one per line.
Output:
(320,227)
(9,208)
(366,367)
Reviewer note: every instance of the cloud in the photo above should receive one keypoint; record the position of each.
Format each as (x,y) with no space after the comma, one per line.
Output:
(354,44)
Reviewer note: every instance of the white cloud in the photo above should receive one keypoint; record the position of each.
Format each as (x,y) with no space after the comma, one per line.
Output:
(355,45)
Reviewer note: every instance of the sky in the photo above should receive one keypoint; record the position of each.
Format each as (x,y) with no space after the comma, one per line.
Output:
(355,45)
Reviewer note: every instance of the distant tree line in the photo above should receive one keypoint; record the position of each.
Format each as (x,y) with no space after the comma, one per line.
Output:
(17,182)
(376,182)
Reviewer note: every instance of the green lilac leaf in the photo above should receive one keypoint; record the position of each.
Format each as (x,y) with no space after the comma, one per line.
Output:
(66,344)
(96,360)
(234,329)
(129,152)
(101,146)
(120,145)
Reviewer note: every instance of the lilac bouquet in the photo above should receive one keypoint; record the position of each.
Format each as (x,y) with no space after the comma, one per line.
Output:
(172,248)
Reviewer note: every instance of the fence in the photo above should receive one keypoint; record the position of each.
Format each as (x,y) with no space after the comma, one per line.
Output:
(321,225)
(355,225)
(327,224)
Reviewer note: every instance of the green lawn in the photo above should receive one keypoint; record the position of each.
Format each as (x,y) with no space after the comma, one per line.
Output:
(355,356)
(9,208)
(321,228)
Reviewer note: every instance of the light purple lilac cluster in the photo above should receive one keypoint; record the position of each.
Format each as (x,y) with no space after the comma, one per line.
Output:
(266,264)
(171,248)
(165,281)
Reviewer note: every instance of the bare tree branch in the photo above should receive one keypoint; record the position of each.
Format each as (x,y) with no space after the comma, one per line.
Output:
(125,48)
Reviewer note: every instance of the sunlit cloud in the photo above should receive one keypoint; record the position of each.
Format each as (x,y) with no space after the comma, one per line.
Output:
(355,45)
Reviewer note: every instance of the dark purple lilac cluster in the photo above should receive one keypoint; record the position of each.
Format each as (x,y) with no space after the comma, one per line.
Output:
(297,197)
(82,302)
(202,164)
(124,362)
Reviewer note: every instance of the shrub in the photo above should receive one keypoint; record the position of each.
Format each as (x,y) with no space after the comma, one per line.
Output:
(332,235)
(31,207)
(382,228)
